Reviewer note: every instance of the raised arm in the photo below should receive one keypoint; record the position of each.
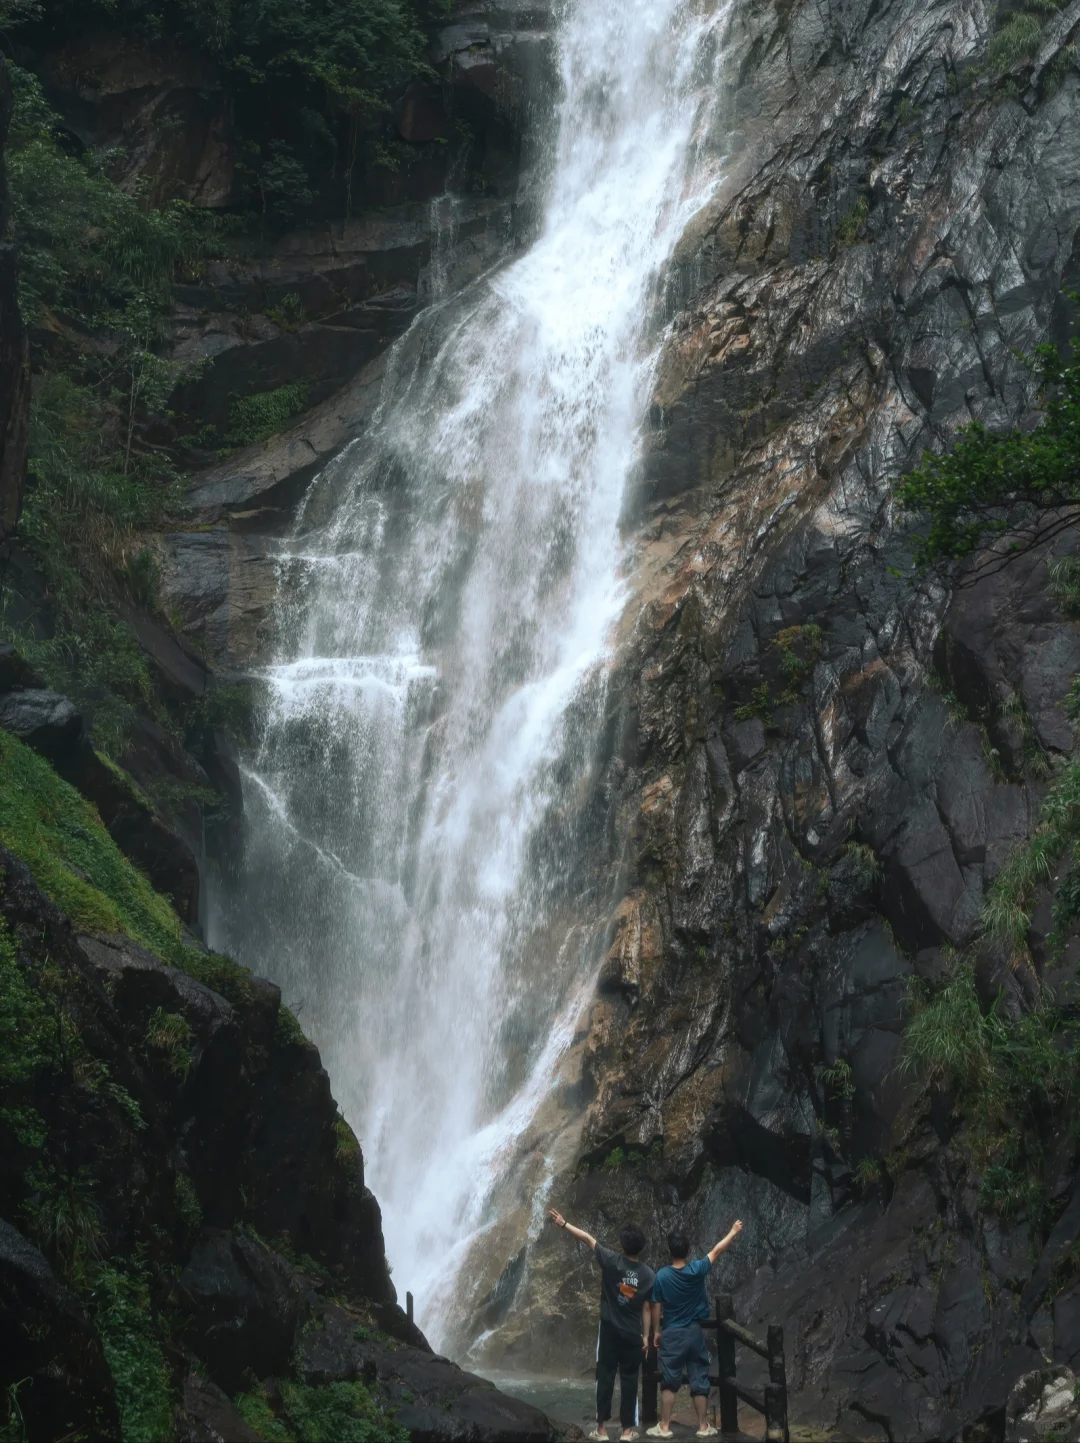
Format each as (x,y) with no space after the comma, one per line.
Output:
(725,1242)
(579,1233)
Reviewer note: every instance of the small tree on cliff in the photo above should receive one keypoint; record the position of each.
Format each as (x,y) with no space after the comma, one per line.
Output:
(1009,490)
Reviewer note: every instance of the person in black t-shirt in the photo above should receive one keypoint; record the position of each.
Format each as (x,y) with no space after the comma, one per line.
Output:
(623,1337)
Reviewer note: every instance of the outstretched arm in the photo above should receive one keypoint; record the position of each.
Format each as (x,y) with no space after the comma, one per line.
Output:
(579,1233)
(725,1243)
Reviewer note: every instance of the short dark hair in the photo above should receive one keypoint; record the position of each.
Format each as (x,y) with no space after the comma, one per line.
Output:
(678,1244)
(631,1240)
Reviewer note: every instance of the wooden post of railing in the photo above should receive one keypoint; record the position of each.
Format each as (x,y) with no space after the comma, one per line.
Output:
(725,1357)
(776,1419)
(409,1308)
(650,1387)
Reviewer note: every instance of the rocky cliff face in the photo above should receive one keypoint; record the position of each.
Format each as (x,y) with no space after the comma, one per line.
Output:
(187,1245)
(824,761)
(202,1228)
(14,361)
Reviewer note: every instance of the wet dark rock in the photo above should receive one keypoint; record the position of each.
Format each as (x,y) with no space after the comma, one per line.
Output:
(50,1350)
(209,1417)
(14,348)
(243,1306)
(432,1397)
(160,114)
(44,720)
(221,585)
(799,852)
(182,673)
(16,671)
(245,1122)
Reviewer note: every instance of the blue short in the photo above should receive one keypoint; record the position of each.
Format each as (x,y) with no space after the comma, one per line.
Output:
(684,1349)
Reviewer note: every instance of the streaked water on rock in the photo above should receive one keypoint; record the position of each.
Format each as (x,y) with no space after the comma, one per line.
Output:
(419,810)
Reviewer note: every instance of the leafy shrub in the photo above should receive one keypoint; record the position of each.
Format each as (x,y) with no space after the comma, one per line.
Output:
(130,1336)
(93,261)
(849,227)
(994,481)
(337,1413)
(1014,1078)
(759,705)
(28,1041)
(256,418)
(310,79)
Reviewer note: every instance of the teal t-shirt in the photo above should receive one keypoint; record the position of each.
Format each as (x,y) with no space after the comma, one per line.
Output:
(682,1292)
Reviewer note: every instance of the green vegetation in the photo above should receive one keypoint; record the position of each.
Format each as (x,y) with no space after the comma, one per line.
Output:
(96,273)
(188,1207)
(256,418)
(60,837)
(1014,1078)
(1007,911)
(346,1147)
(992,482)
(331,1413)
(866,861)
(310,80)
(168,1035)
(1019,35)
(58,834)
(799,648)
(759,705)
(849,227)
(132,1339)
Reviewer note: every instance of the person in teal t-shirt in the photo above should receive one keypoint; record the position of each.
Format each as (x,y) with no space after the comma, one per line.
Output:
(679,1291)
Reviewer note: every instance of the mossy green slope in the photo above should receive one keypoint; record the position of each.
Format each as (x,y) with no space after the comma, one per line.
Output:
(61,838)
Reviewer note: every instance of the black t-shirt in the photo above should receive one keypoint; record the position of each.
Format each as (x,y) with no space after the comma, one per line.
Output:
(624,1287)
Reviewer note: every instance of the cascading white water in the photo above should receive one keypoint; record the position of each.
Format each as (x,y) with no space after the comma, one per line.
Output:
(418,808)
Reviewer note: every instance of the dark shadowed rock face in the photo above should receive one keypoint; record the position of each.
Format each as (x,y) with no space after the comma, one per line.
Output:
(49,1346)
(14,353)
(204,1129)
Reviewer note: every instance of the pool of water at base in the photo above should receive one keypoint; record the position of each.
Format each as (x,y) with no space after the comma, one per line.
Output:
(566,1400)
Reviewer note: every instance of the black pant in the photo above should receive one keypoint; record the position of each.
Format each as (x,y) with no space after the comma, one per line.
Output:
(617,1352)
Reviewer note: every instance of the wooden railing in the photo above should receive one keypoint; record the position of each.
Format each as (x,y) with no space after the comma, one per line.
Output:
(730,1335)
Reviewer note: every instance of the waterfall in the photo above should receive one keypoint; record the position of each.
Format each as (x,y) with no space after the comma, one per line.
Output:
(420,811)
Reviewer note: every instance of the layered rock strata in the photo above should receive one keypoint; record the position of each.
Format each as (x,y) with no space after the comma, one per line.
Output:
(825,760)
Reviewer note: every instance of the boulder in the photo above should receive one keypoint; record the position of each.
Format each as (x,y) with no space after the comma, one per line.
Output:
(432,1397)
(49,1350)
(45,720)
(16,671)
(243,1304)
(1044,1407)
(209,1417)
